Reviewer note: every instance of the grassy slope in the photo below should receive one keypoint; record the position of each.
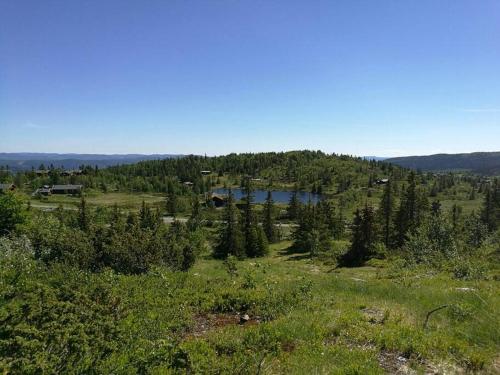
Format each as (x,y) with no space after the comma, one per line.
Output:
(314,319)
(122,200)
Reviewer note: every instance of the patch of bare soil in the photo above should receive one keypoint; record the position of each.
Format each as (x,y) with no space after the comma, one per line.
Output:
(394,363)
(374,315)
(204,323)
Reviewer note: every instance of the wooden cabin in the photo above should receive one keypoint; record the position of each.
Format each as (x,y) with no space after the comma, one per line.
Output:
(219,200)
(66,189)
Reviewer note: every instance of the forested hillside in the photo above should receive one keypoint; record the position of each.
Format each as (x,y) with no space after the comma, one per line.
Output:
(23,161)
(486,163)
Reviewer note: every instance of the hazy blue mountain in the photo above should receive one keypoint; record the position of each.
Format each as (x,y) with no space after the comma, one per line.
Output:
(27,160)
(487,163)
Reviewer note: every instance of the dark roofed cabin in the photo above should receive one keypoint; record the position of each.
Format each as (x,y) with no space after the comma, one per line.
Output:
(7,187)
(219,200)
(66,189)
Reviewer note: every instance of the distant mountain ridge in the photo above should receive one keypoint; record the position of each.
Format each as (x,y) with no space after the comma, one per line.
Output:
(487,163)
(19,161)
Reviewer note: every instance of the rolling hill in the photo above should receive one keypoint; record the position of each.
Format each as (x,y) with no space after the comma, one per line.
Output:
(487,163)
(27,160)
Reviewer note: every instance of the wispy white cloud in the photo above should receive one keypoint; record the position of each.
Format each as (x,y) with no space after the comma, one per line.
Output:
(31,125)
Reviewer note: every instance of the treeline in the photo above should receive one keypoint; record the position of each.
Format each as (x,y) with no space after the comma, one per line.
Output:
(312,170)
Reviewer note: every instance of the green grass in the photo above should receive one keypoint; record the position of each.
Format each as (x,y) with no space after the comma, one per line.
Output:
(122,200)
(314,319)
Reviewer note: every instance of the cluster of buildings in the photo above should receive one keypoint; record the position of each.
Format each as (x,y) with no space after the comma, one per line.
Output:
(58,189)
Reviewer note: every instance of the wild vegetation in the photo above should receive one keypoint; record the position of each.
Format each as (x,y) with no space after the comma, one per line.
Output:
(395,276)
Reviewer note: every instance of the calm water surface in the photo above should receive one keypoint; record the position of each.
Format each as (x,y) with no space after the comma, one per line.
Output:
(279,196)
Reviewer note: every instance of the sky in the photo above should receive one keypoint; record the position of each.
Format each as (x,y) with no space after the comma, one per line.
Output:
(384,78)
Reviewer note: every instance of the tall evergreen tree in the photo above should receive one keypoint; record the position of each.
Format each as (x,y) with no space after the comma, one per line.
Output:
(231,241)
(268,219)
(195,219)
(412,209)
(490,213)
(293,205)
(363,238)
(386,213)
(256,244)
(171,203)
(83,215)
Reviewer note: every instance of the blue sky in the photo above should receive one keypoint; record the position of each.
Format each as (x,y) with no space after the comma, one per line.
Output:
(358,77)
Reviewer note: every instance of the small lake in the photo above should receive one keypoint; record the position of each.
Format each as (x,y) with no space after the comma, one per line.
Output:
(279,196)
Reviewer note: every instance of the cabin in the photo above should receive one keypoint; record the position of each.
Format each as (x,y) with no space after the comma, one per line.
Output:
(45,191)
(382,181)
(188,184)
(219,200)
(66,189)
(204,173)
(74,172)
(42,172)
(7,187)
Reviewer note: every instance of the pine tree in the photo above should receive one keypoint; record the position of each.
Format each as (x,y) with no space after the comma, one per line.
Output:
(256,244)
(456,212)
(231,239)
(412,210)
(475,230)
(436,208)
(293,206)
(83,215)
(268,219)
(386,213)
(363,238)
(171,203)
(491,206)
(195,219)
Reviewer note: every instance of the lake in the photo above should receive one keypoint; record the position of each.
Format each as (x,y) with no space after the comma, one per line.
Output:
(279,196)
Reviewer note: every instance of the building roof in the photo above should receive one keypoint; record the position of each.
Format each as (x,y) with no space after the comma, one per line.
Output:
(67,187)
(219,197)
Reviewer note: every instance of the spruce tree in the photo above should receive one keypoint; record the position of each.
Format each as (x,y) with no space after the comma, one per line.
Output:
(231,240)
(256,244)
(386,213)
(412,209)
(268,219)
(363,238)
(293,205)
(83,215)
(195,219)
(171,203)
(490,213)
